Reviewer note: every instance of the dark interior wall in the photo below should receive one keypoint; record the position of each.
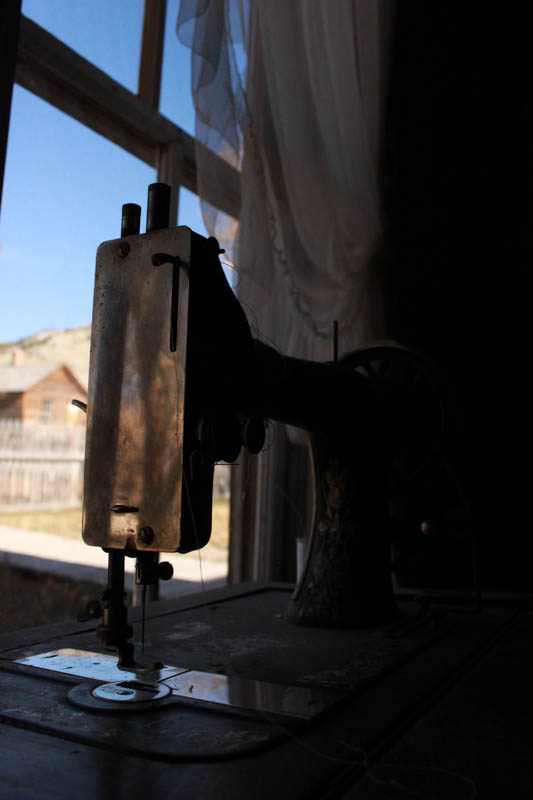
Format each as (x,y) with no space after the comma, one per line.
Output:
(457,189)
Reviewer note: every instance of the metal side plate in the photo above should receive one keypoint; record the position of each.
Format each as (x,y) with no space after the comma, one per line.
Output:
(135,412)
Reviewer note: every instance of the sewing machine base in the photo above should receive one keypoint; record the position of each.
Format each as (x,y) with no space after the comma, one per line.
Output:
(388,678)
(283,679)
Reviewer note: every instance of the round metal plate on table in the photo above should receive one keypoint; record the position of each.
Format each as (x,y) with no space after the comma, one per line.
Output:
(130,692)
(121,696)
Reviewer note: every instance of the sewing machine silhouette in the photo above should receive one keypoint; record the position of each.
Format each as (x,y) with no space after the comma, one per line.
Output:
(178,383)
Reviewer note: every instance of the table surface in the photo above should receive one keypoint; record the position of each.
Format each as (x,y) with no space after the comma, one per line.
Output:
(432,705)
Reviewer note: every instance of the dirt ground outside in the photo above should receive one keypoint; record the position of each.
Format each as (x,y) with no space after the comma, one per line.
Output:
(33,598)
(67,522)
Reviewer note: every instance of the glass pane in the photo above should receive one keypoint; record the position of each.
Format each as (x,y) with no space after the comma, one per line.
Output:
(106,32)
(176,99)
(190,213)
(63,192)
(63,195)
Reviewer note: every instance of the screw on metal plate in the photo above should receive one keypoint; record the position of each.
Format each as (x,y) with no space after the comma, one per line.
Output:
(123,249)
(147,534)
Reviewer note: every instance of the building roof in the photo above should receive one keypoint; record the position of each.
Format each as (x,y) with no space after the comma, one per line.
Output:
(22,377)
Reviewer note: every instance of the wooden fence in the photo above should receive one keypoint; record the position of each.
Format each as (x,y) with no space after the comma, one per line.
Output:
(41,466)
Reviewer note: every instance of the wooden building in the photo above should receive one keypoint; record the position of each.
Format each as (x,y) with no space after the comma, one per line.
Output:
(40,393)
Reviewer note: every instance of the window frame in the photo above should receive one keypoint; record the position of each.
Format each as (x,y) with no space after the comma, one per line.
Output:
(57,74)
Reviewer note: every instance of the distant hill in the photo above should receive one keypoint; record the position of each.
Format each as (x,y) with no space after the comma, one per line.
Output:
(70,347)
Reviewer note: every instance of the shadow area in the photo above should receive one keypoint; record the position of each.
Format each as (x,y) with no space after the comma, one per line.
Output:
(176,587)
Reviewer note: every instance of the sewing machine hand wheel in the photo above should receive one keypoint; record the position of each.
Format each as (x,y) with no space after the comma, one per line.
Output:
(412,394)
(422,486)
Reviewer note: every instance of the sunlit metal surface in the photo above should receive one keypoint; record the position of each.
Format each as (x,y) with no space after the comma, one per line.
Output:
(250,695)
(133,464)
(96,666)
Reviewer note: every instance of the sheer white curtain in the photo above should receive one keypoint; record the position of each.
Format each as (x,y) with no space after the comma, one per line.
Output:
(303,126)
(290,92)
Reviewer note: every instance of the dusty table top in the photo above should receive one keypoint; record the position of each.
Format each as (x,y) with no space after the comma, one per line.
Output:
(385,679)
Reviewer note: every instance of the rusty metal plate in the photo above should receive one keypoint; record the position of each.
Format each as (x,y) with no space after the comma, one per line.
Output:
(134,446)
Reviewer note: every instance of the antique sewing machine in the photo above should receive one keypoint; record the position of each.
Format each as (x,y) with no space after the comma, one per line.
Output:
(254,689)
(178,383)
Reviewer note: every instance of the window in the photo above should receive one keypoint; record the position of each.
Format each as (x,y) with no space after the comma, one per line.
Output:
(105,32)
(63,195)
(176,101)
(46,412)
(79,148)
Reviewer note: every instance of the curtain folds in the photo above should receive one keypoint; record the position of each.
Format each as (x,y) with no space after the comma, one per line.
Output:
(290,92)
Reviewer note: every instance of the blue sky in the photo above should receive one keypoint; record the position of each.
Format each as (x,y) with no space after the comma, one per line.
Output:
(64,184)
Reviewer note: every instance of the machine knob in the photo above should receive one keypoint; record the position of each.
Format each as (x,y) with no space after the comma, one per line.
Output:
(165,571)
(428,527)
(93,610)
(148,571)
(221,437)
(253,434)
(197,463)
